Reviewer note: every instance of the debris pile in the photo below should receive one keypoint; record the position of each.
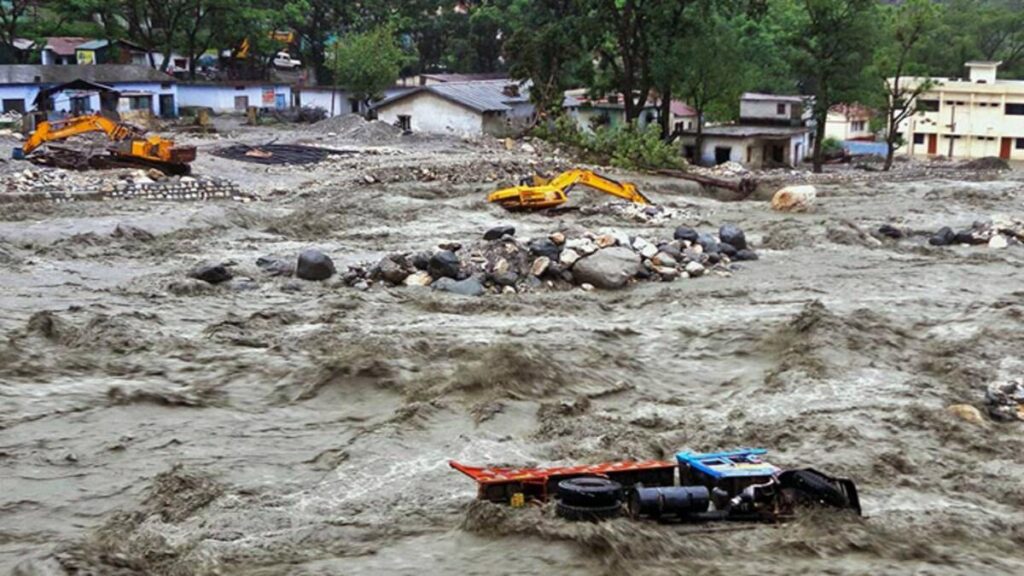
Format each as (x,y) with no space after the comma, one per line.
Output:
(1005,400)
(272,154)
(56,185)
(644,214)
(726,169)
(474,171)
(502,263)
(354,127)
(998,232)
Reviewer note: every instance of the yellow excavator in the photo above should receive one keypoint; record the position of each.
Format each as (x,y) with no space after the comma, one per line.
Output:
(130,143)
(538,192)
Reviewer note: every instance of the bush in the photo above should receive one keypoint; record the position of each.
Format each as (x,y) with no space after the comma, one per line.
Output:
(831,147)
(624,147)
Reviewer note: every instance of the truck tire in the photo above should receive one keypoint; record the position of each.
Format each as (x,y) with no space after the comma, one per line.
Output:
(589,491)
(588,513)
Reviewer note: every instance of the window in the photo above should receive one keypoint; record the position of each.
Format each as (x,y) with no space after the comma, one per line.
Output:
(80,105)
(918,138)
(928,105)
(780,109)
(405,122)
(140,103)
(857,126)
(1015,109)
(14,105)
(690,151)
(1020,144)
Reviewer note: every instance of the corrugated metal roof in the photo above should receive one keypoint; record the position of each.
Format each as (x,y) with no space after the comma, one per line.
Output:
(771,97)
(481,96)
(64,45)
(100,73)
(92,45)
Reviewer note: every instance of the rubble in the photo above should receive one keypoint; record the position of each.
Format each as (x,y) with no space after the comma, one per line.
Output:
(997,232)
(58,185)
(1005,400)
(589,260)
(355,128)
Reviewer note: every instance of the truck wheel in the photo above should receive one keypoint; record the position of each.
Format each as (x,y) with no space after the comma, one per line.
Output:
(588,513)
(589,491)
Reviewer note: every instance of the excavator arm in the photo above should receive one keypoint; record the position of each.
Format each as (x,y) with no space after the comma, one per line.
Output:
(542,193)
(62,129)
(129,143)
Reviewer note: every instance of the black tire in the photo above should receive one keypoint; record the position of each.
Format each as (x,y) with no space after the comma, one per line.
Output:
(588,513)
(589,491)
(814,487)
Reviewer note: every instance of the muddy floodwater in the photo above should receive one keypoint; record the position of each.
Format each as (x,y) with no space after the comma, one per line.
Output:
(154,425)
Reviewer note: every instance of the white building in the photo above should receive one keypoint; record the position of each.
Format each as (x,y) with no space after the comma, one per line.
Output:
(772,131)
(967,118)
(849,122)
(236,96)
(140,88)
(495,107)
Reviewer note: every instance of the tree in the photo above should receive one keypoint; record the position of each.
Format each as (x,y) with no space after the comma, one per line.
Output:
(906,27)
(367,63)
(545,49)
(12,15)
(715,63)
(831,41)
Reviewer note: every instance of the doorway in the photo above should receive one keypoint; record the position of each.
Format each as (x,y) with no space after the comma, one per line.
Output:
(1004,148)
(933,143)
(167,106)
(722,154)
(241,103)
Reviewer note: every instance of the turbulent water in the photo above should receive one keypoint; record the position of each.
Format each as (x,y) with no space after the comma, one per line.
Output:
(155,425)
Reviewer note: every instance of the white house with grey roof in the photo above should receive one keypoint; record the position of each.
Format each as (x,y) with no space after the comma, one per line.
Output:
(495,107)
(139,88)
(772,131)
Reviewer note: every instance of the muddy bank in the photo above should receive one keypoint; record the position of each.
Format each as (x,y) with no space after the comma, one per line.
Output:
(306,430)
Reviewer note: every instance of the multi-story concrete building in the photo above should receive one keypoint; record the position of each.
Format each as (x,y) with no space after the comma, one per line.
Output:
(967,118)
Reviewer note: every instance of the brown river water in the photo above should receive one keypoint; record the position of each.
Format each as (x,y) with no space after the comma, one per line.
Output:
(151,425)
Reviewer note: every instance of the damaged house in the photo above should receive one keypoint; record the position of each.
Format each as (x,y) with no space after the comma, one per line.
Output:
(772,131)
(495,107)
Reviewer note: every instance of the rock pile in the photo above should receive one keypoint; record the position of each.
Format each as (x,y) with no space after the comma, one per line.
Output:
(1005,400)
(57,185)
(475,171)
(998,232)
(503,263)
(355,128)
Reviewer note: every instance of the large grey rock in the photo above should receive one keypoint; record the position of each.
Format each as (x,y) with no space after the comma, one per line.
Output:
(686,233)
(275,266)
(392,271)
(314,265)
(499,231)
(444,264)
(546,247)
(211,272)
(610,268)
(708,243)
(944,237)
(732,234)
(469,287)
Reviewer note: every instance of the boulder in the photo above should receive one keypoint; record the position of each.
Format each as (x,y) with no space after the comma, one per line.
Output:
(129,232)
(667,274)
(731,234)
(540,266)
(419,278)
(469,287)
(686,233)
(606,241)
(794,198)
(967,413)
(664,260)
(998,241)
(582,246)
(727,249)
(971,236)
(506,278)
(673,249)
(499,231)
(275,266)
(708,243)
(392,271)
(568,257)
(211,273)
(314,265)
(695,269)
(558,238)
(610,268)
(890,231)
(421,260)
(444,264)
(1005,400)
(944,237)
(745,255)
(545,247)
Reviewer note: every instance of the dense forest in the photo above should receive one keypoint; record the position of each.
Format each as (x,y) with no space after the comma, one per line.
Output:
(705,52)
